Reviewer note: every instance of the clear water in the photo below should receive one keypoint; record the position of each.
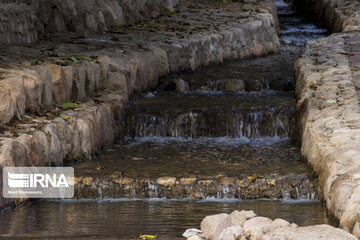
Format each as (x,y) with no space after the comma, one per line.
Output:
(124,218)
(205,157)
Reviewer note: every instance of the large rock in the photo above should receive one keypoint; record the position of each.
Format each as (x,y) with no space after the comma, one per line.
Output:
(255,227)
(238,218)
(231,85)
(277,223)
(249,214)
(231,233)
(212,226)
(318,232)
(12,96)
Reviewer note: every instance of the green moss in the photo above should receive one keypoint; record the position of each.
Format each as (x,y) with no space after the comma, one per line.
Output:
(69,105)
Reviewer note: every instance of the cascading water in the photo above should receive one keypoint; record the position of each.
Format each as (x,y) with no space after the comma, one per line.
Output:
(210,150)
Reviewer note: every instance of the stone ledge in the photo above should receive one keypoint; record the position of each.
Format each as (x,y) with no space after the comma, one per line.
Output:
(25,22)
(131,60)
(328,124)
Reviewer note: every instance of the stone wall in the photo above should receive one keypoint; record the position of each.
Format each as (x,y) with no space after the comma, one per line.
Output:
(26,21)
(35,132)
(328,124)
(336,15)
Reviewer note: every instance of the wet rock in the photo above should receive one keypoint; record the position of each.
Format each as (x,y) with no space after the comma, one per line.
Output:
(213,226)
(77,180)
(187,181)
(231,85)
(176,85)
(87,181)
(166,181)
(193,232)
(232,233)
(254,85)
(124,180)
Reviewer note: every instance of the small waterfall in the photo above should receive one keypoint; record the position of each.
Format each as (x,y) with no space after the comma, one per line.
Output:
(225,191)
(100,192)
(285,194)
(152,189)
(272,122)
(284,187)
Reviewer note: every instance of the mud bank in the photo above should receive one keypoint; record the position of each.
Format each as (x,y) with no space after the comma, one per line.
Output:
(336,15)
(328,109)
(101,71)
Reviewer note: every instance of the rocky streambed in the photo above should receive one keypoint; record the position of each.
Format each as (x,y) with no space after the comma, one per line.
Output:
(223,132)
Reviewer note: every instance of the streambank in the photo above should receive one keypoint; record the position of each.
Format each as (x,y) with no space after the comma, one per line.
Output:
(327,89)
(101,71)
(327,108)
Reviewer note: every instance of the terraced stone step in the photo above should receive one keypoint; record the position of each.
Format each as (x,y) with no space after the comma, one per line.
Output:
(196,169)
(196,115)
(250,187)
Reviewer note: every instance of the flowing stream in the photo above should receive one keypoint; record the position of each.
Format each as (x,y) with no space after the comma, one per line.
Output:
(227,150)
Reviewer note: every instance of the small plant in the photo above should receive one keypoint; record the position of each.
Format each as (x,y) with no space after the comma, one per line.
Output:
(169,12)
(65,117)
(36,62)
